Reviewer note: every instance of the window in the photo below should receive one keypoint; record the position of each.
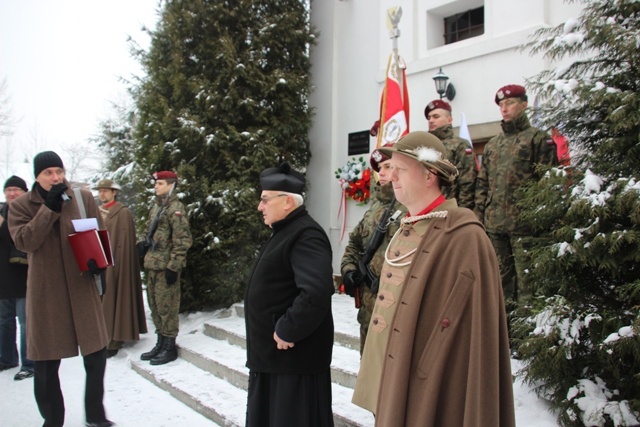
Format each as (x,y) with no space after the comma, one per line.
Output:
(465,25)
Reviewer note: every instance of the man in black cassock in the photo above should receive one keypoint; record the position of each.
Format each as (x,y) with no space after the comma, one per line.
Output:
(288,311)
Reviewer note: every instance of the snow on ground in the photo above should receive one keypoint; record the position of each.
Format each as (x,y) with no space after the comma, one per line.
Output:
(132,401)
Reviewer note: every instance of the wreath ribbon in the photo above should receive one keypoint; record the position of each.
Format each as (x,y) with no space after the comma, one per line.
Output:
(343,202)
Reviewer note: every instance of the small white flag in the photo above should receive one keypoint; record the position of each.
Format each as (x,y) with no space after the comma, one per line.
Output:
(464,134)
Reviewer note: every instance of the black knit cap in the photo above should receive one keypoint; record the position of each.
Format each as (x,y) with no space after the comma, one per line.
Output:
(44,160)
(282,178)
(16,181)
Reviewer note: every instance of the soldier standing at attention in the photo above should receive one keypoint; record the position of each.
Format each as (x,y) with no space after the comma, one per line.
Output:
(368,240)
(122,301)
(510,160)
(164,261)
(459,152)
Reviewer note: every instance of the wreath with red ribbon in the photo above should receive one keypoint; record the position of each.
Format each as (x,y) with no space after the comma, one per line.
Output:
(355,180)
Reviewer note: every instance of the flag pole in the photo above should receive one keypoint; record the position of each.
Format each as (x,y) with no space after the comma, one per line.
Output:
(395,70)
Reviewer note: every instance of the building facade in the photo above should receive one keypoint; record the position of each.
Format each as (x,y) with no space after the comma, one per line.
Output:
(475,42)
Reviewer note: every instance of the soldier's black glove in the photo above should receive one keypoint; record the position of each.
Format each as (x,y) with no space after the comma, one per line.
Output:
(93,267)
(352,280)
(54,198)
(170,276)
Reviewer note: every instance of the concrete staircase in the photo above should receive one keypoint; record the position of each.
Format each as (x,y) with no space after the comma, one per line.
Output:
(212,378)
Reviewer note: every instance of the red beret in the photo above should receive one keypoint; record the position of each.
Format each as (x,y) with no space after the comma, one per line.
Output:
(378,157)
(511,91)
(434,105)
(164,175)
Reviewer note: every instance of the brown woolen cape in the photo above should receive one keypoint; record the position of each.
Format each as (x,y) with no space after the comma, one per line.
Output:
(122,301)
(63,307)
(447,362)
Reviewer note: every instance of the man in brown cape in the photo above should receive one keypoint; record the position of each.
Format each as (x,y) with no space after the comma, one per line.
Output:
(122,301)
(437,352)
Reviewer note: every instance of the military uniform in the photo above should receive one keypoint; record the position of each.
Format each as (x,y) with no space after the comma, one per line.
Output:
(460,153)
(509,161)
(358,241)
(172,240)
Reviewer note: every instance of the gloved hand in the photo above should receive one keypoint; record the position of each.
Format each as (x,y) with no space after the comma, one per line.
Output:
(352,279)
(93,267)
(54,198)
(170,276)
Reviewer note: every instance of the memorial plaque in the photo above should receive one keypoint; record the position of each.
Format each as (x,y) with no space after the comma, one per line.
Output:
(358,143)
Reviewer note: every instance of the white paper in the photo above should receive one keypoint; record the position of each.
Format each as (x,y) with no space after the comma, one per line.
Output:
(85,224)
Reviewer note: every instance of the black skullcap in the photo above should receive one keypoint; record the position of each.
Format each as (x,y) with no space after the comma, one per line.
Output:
(16,181)
(44,160)
(282,178)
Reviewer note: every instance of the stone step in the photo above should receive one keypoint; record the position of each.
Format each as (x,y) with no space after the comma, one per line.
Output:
(216,389)
(202,391)
(232,328)
(210,374)
(344,363)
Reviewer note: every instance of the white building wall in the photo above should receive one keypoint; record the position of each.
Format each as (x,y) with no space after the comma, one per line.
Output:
(349,62)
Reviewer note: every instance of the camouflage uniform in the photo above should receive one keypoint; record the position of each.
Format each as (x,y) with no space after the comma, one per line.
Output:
(359,238)
(172,240)
(461,154)
(509,160)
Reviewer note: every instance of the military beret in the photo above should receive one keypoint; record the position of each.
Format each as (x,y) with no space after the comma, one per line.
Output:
(282,178)
(378,157)
(434,105)
(427,149)
(165,175)
(511,91)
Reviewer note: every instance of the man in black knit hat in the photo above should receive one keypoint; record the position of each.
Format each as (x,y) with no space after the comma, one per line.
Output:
(13,290)
(63,304)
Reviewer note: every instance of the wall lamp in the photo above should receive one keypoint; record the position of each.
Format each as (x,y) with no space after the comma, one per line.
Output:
(444,90)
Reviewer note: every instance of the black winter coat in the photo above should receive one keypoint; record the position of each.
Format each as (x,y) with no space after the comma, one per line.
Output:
(289,290)
(13,277)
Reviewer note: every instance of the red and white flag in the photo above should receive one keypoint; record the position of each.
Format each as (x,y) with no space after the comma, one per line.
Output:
(394,104)
(464,134)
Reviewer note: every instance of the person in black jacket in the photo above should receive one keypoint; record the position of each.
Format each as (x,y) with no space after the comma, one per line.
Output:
(13,290)
(288,311)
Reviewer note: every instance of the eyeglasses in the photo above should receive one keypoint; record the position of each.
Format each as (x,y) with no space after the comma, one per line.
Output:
(264,200)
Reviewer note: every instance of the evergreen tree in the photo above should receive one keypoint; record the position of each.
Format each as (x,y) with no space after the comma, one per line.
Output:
(115,140)
(224,98)
(580,338)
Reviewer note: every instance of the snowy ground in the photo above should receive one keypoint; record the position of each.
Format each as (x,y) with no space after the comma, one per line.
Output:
(132,401)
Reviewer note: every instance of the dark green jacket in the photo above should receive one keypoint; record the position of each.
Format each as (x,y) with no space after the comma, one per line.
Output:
(381,197)
(460,153)
(509,160)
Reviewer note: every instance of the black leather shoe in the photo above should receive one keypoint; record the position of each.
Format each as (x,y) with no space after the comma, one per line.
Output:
(4,367)
(22,375)
(105,423)
(111,353)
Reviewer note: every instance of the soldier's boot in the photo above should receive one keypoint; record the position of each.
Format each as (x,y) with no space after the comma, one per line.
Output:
(168,353)
(154,351)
